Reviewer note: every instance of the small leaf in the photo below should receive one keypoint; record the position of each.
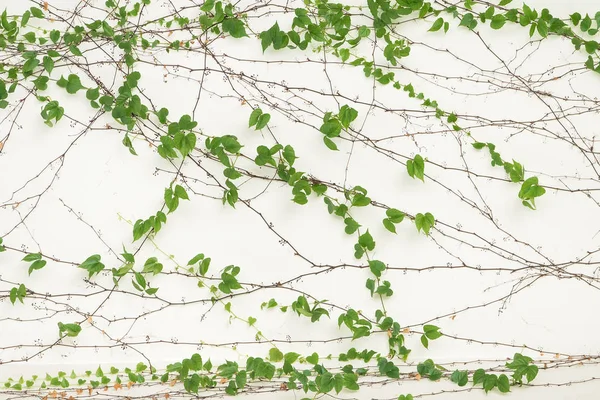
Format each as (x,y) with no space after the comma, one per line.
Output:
(503,384)
(460,377)
(275,355)
(329,143)
(498,21)
(36,12)
(262,121)
(389,225)
(254,117)
(416,167)
(32,257)
(478,376)
(48,64)
(531,372)
(489,382)
(542,28)
(234,27)
(437,25)
(313,358)
(396,216)
(424,222)
(38,264)
(377,267)
(181,193)
(196,259)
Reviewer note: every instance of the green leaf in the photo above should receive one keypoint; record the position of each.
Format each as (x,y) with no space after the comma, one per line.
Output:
(366,241)
(432,332)
(38,264)
(424,341)
(370,284)
(351,225)
(92,264)
(389,225)
(396,216)
(347,115)
(196,259)
(503,384)
(515,171)
(313,358)
(107,29)
(542,28)
(181,193)
(530,189)
(498,21)
(140,367)
(234,27)
(489,382)
(92,94)
(71,330)
(254,117)
(461,378)
(531,372)
(377,267)
(25,18)
(72,84)
(30,65)
(360,200)
(416,167)
(140,280)
(240,379)
(162,115)
(291,357)
(424,222)
(204,265)
(478,376)
(75,50)
(18,293)
(331,128)
(55,36)
(262,121)
(185,122)
(329,143)
(30,37)
(437,25)
(32,257)
(152,265)
(468,21)
(275,355)
(289,154)
(591,46)
(586,23)
(36,12)
(171,201)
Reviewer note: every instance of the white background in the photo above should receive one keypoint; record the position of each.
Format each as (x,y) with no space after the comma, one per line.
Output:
(107,187)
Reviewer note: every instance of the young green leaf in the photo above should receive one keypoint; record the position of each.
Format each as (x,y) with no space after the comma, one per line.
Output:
(92,264)
(437,25)
(254,117)
(424,222)
(416,167)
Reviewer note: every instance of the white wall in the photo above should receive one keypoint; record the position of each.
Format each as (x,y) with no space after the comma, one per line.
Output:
(107,189)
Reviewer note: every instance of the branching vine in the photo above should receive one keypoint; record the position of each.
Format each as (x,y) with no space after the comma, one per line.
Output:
(113,61)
